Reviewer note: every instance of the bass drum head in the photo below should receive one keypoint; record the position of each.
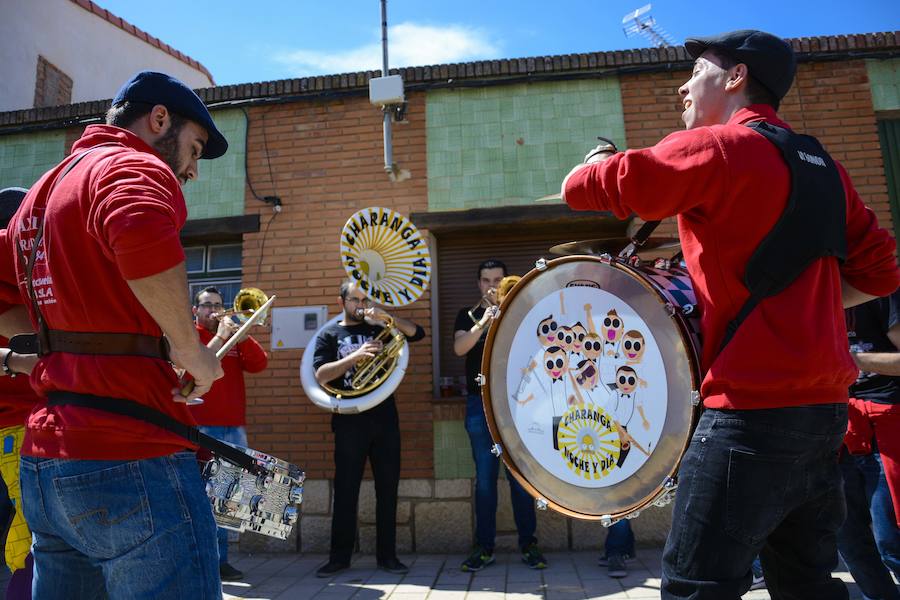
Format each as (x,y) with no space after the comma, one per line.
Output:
(590,381)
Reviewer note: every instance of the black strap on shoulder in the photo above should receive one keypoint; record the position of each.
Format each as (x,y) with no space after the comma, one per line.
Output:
(812,226)
(142,412)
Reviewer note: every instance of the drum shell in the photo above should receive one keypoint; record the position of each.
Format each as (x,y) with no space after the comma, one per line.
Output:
(662,297)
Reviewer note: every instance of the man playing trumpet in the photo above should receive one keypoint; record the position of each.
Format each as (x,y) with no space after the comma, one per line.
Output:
(374,433)
(223,413)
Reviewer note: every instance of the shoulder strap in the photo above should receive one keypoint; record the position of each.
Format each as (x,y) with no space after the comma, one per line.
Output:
(142,412)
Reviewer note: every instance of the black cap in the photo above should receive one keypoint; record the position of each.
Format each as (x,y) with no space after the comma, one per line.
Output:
(10,199)
(770,59)
(159,88)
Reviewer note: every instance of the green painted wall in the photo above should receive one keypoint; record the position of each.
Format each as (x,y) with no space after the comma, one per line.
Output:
(884,77)
(508,145)
(219,190)
(25,157)
(452,451)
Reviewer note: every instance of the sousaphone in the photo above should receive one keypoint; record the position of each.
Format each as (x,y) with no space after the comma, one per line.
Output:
(386,255)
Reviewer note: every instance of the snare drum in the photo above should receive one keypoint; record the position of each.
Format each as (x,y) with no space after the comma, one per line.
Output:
(266,503)
(590,384)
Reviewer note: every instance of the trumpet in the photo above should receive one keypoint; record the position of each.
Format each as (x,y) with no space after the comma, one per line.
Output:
(495,296)
(246,303)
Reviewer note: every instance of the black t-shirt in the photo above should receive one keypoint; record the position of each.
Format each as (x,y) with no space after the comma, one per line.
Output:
(867,327)
(473,357)
(338,341)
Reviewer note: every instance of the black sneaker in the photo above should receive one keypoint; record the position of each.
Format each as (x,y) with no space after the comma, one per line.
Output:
(392,565)
(616,566)
(532,557)
(229,573)
(479,559)
(331,568)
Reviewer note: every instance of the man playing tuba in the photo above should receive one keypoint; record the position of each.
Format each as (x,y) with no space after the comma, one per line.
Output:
(374,433)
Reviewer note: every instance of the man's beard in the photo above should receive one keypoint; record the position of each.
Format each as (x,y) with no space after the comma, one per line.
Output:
(167,146)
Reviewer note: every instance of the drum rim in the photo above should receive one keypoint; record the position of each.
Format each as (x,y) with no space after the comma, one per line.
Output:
(681,328)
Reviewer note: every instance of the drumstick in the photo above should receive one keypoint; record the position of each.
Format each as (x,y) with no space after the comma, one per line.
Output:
(562,303)
(526,400)
(234,339)
(587,310)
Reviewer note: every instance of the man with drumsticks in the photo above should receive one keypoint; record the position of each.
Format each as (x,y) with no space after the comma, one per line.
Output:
(223,412)
(760,474)
(116,505)
(373,434)
(468,341)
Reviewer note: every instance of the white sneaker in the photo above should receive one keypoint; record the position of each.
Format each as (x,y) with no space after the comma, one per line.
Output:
(759,583)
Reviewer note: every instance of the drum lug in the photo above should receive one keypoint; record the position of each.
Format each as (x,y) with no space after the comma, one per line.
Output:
(540,504)
(540,264)
(606,258)
(695,398)
(663,264)
(496,450)
(670,309)
(633,515)
(481,380)
(608,521)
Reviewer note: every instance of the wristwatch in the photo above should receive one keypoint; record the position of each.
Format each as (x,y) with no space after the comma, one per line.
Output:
(5,365)
(608,147)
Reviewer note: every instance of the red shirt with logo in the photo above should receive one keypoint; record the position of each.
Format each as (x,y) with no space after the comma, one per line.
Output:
(729,186)
(115,216)
(225,404)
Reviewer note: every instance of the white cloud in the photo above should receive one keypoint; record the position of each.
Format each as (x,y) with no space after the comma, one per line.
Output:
(409,44)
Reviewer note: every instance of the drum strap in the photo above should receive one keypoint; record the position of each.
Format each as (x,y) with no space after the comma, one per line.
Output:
(812,226)
(142,412)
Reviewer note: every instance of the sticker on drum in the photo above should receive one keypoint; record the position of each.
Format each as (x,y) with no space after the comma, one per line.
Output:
(598,377)
(589,385)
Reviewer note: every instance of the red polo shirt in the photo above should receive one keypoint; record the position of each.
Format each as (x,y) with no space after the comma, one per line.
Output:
(116,216)
(225,404)
(729,186)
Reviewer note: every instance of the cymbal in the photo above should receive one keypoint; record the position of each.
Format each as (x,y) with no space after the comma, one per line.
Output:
(613,245)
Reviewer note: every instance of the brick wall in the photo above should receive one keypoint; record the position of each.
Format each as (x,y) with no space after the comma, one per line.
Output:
(326,163)
(829,100)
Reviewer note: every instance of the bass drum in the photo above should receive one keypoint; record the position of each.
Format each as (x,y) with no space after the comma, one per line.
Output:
(590,384)
(349,405)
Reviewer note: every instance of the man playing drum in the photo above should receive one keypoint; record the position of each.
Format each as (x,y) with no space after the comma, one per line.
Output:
(760,473)
(469,342)
(372,434)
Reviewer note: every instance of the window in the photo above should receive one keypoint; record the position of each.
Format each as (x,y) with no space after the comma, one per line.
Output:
(214,265)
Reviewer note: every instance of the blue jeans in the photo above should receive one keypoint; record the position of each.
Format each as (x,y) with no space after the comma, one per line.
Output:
(870,510)
(487,469)
(232,435)
(761,482)
(120,529)
(619,539)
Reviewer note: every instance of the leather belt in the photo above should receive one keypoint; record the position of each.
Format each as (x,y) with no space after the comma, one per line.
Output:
(89,342)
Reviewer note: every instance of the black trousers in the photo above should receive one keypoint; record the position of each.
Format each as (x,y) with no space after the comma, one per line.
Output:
(372,435)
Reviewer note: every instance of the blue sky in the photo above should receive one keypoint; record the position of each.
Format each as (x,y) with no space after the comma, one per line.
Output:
(276,39)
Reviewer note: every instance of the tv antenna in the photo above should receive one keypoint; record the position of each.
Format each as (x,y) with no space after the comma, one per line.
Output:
(640,22)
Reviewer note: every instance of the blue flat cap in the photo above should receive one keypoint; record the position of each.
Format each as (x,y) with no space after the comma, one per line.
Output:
(158,88)
(770,59)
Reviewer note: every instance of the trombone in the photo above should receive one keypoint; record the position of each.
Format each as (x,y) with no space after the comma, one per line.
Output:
(246,303)
(495,296)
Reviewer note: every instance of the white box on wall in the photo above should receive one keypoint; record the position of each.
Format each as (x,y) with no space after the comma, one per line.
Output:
(294,326)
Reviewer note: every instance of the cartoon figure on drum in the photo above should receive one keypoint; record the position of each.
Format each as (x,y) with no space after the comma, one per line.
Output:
(468,340)
(776,244)
(340,349)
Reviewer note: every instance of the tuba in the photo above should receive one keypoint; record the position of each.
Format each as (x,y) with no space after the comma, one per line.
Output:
(388,257)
